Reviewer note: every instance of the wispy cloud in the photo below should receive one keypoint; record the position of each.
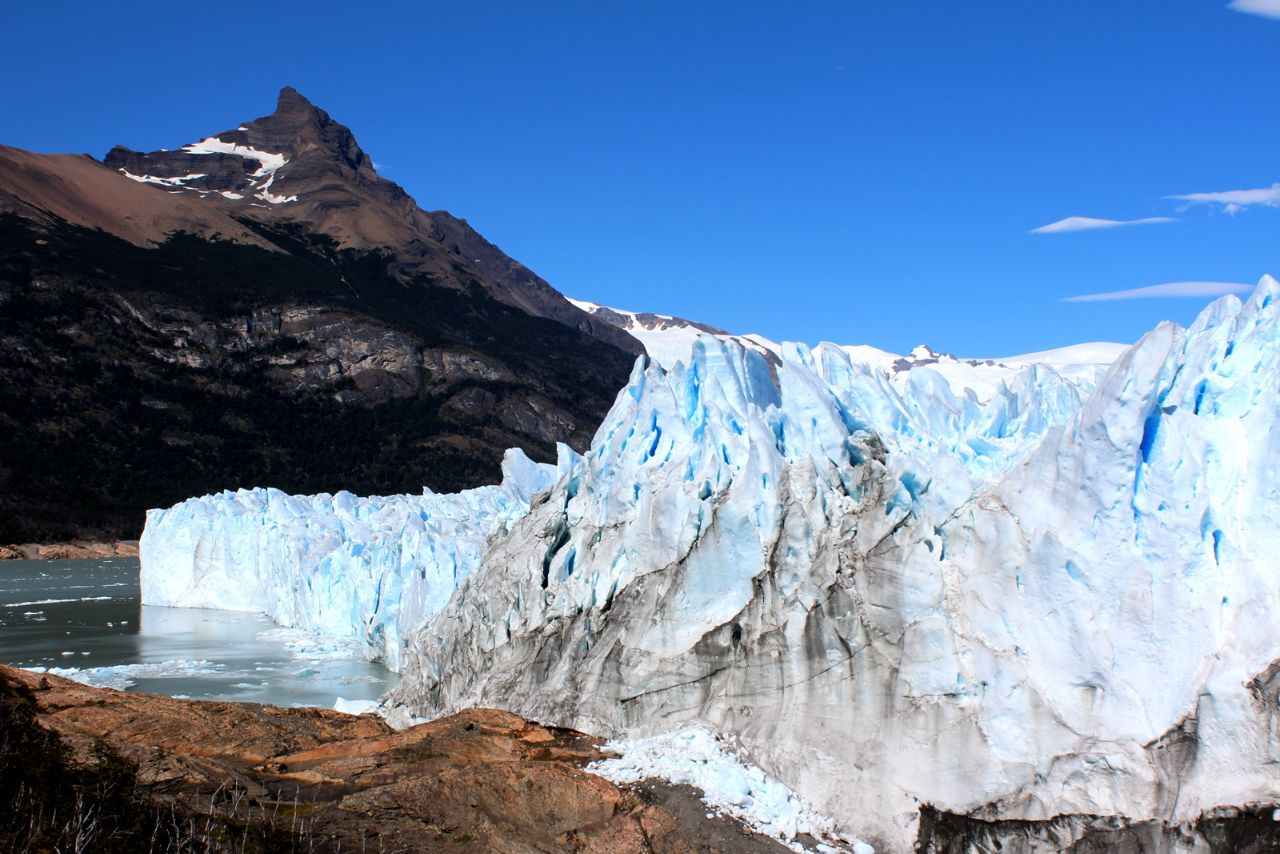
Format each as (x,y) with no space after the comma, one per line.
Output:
(1168,289)
(1265,8)
(1234,201)
(1089,223)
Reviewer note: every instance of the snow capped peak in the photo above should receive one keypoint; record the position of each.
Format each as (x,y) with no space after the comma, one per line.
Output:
(298,146)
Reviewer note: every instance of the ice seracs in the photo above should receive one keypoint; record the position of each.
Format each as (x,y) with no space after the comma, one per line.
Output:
(367,569)
(669,340)
(1060,601)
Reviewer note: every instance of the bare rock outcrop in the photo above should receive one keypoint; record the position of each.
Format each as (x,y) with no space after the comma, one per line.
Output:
(482,780)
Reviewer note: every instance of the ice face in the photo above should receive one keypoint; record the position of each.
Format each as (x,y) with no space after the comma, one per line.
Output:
(371,569)
(1060,599)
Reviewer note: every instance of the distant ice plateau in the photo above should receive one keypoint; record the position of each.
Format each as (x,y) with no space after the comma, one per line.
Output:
(1023,589)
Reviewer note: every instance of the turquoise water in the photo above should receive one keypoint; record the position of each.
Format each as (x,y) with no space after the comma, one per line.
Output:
(84,619)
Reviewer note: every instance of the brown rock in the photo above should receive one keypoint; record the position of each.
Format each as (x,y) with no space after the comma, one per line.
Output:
(482,780)
(77,550)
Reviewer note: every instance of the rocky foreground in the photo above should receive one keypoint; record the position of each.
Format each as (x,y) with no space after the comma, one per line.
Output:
(75,550)
(101,770)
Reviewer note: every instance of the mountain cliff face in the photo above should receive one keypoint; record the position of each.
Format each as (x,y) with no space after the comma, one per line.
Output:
(262,309)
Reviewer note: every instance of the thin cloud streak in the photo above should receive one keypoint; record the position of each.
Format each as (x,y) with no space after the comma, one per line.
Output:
(1265,8)
(1234,201)
(1168,289)
(1089,223)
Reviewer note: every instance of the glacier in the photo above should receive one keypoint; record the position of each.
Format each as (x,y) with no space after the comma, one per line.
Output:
(367,569)
(1052,598)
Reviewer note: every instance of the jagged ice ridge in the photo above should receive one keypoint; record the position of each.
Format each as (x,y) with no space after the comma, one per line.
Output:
(367,569)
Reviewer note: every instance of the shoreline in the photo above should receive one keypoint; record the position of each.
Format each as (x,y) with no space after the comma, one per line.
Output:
(71,550)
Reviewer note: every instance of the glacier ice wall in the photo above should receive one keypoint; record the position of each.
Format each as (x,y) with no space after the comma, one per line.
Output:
(1059,600)
(370,569)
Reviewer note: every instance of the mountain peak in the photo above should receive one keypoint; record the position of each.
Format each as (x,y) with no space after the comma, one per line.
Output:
(300,165)
(278,159)
(291,100)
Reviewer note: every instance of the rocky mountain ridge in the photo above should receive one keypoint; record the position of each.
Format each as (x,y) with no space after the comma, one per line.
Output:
(299,165)
(159,340)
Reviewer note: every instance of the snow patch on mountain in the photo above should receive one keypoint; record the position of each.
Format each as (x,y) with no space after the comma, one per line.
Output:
(269,163)
(163,182)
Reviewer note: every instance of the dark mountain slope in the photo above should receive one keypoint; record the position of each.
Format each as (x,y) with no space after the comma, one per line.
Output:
(157,344)
(299,165)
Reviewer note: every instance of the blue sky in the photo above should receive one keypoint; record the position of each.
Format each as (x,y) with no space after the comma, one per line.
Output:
(857,172)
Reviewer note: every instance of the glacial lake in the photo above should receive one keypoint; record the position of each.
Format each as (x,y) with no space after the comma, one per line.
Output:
(84,619)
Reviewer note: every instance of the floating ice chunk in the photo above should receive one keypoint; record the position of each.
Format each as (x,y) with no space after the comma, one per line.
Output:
(123,676)
(54,601)
(310,646)
(355,707)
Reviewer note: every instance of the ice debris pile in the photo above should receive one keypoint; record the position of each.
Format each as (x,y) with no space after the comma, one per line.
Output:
(123,676)
(1055,597)
(371,570)
(696,757)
